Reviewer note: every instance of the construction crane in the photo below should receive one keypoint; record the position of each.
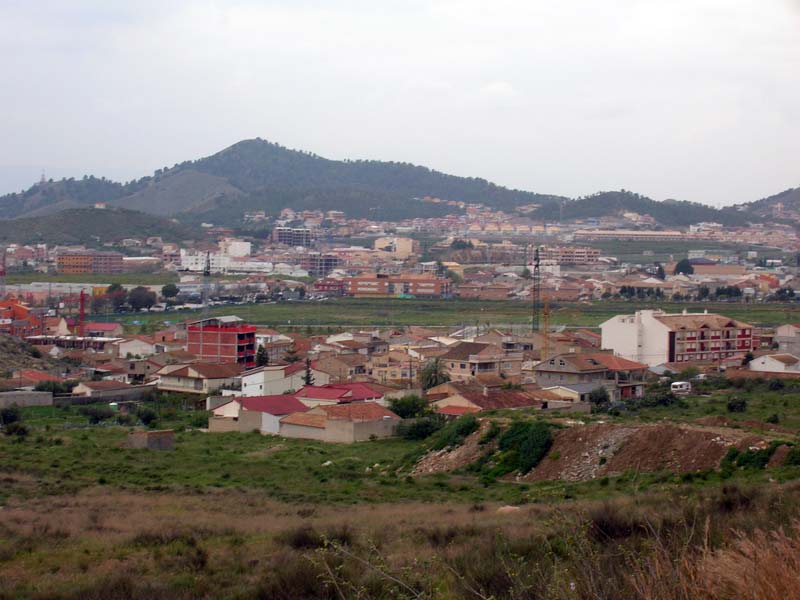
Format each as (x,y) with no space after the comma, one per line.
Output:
(2,273)
(545,329)
(206,284)
(536,291)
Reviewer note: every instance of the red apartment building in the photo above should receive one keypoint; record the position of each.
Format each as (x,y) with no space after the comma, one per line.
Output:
(223,340)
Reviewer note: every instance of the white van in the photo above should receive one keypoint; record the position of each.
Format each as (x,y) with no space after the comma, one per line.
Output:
(681,388)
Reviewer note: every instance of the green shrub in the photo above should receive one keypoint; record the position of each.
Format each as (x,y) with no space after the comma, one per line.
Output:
(774,419)
(776,384)
(523,446)
(491,433)
(147,416)
(420,428)
(10,415)
(453,433)
(737,404)
(17,428)
(409,407)
(96,414)
(793,457)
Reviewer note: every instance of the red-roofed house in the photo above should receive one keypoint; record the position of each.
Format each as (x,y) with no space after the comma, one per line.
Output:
(103,329)
(344,423)
(622,378)
(247,414)
(198,378)
(341,393)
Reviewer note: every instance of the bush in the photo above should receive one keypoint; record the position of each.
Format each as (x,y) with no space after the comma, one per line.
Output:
(96,414)
(773,419)
(126,420)
(147,416)
(17,428)
(523,446)
(453,433)
(10,415)
(776,384)
(409,407)
(737,404)
(793,457)
(420,428)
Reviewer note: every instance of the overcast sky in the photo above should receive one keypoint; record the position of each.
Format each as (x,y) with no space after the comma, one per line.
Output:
(689,99)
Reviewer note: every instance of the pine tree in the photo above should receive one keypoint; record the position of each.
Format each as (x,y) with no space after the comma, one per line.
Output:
(291,355)
(308,378)
(262,358)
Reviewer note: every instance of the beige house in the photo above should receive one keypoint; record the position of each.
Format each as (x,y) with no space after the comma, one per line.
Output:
(470,361)
(198,378)
(341,423)
(99,388)
(262,413)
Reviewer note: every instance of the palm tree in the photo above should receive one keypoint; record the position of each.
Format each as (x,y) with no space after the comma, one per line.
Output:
(433,374)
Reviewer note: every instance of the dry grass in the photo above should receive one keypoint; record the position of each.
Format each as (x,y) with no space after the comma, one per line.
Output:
(727,544)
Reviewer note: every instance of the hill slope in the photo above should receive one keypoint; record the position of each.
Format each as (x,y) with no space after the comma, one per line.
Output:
(259,175)
(91,226)
(668,212)
(773,206)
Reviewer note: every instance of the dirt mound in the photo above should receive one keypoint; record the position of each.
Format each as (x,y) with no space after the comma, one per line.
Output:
(440,461)
(590,451)
(577,452)
(722,421)
(779,456)
(15,354)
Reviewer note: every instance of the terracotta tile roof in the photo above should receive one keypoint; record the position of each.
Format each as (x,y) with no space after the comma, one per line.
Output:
(322,393)
(208,370)
(787,359)
(456,411)
(306,420)
(358,412)
(464,350)
(496,399)
(101,326)
(692,322)
(358,391)
(280,404)
(35,375)
(591,361)
(106,384)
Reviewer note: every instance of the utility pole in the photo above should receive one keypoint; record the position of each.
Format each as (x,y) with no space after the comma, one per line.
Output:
(536,291)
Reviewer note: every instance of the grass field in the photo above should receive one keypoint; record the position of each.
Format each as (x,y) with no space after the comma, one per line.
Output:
(252,517)
(123,278)
(355,312)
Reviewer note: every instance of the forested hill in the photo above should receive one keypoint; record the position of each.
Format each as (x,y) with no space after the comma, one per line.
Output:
(259,175)
(671,213)
(787,200)
(93,227)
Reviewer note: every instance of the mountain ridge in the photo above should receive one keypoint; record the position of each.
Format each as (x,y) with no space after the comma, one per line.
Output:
(255,174)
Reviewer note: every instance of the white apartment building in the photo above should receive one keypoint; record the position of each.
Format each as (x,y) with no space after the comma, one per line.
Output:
(654,337)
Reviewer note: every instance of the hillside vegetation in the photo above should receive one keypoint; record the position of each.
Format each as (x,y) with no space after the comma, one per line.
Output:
(668,212)
(259,175)
(93,226)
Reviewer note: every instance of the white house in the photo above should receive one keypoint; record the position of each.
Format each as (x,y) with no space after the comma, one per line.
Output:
(134,346)
(278,379)
(776,363)
(788,338)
